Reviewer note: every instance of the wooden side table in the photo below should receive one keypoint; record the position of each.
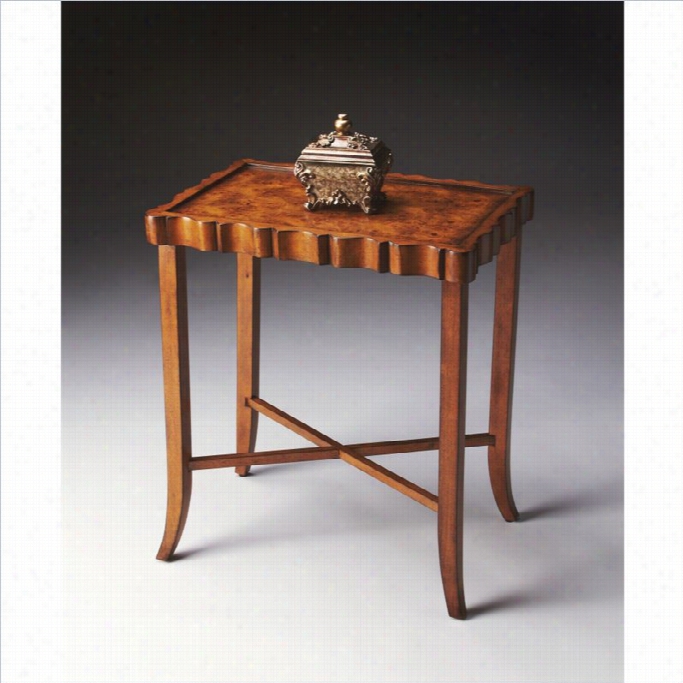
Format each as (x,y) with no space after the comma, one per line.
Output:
(439,228)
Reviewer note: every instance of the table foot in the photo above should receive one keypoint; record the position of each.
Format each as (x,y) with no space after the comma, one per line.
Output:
(179,494)
(499,474)
(456,607)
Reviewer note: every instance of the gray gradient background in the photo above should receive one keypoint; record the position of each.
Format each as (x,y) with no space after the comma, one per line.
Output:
(313,572)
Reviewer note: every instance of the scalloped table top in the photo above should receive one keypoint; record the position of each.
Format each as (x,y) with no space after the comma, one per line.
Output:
(442,229)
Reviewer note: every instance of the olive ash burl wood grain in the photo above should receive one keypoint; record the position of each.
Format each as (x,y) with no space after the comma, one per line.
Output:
(443,229)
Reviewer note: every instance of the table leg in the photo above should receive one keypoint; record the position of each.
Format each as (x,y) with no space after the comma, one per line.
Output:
(454,308)
(176,363)
(502,370)
(248,345)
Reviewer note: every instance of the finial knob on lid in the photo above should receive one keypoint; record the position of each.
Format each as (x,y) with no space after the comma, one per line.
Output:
(343,124)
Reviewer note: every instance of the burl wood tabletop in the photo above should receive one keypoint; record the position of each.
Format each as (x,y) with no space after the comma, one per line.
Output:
(442,229)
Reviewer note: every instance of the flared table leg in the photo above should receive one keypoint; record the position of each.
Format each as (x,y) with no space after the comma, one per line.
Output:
(174,342)
(454,308)
(248,345)
(502,371)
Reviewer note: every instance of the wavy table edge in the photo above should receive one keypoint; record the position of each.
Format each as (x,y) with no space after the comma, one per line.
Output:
(166,227)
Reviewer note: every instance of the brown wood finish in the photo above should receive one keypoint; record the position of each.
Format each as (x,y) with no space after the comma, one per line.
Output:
(502,370)
(248,352)
(256,208)
(176,363)
(474,440)
(290,455)
(442,229)
(454,310)
(347,454)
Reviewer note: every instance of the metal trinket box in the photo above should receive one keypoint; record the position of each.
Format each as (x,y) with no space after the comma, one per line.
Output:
(343,168)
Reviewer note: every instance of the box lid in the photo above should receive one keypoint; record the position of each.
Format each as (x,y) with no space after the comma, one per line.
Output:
(343,146)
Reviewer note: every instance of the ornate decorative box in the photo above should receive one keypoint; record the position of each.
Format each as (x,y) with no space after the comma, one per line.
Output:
(343,168)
